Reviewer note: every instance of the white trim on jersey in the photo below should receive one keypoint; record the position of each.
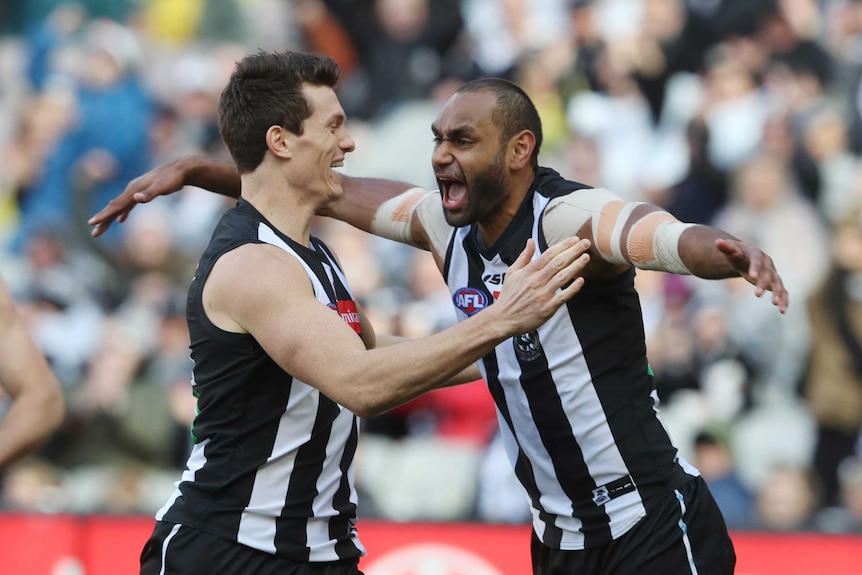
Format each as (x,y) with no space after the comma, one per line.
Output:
(174,530)
(684,530)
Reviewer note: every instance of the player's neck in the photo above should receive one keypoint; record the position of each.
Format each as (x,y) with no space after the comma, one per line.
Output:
(289,210)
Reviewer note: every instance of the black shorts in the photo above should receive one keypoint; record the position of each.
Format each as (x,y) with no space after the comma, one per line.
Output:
(683,533)
(179,550)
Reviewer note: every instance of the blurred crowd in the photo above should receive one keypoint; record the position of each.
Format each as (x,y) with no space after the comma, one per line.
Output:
(745,114)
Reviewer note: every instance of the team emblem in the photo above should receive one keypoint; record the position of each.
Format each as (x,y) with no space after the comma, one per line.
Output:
(527,346)
(601,495)
(470,300)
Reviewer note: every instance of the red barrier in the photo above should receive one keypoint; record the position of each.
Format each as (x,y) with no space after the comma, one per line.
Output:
(110,545)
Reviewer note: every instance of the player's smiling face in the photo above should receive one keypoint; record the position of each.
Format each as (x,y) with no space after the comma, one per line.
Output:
(469,158)
(324,141)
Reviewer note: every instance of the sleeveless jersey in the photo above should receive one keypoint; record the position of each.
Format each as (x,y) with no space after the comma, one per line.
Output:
(576,403)
(272,462)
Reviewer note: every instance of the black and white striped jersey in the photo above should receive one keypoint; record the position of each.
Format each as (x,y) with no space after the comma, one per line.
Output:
(575,398)
(272,461)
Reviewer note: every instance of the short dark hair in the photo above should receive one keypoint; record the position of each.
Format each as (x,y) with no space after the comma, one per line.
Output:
(265,90)
(515,110)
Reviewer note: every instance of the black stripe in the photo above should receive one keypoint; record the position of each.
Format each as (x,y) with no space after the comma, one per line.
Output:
(523,467)
(553,535)
(341,291)
(607,317)
(302,491)
(342,524)
(556,434)
(447,260)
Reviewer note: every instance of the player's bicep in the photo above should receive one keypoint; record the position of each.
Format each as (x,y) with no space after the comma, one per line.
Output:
(268,294)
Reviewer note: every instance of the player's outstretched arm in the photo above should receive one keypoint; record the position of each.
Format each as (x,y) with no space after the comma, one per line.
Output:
(164,179)
(361,200)
(647,237)
(655,239)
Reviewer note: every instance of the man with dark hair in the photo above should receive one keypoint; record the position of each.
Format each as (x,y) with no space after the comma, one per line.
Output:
(280,379)
(575,397)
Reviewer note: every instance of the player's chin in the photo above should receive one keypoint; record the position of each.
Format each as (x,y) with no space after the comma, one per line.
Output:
(456,218)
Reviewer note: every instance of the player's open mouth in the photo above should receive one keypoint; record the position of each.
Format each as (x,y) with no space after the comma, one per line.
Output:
(454,191)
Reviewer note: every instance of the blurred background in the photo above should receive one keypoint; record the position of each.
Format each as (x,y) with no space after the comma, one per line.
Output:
(745,114)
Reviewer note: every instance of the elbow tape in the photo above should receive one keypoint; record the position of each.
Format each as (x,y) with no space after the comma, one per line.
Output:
(394,218)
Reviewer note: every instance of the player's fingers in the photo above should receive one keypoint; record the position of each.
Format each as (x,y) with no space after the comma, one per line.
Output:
(567,292)
(780,297)
(563,255)
(755,268)
(524,257)
(148,193)
(570,280)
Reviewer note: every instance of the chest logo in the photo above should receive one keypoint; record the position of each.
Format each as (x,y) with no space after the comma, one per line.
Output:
(470,300)
(527,346)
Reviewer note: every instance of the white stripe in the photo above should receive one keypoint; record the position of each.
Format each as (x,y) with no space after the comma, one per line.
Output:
(197,459)
(174,530)
(684,529)
(257,525)
(266,234)
(327,486)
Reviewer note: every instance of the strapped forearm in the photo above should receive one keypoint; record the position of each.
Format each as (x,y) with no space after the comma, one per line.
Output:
(624,233)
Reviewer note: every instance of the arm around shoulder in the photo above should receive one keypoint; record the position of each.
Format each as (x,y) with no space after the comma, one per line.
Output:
(265,292)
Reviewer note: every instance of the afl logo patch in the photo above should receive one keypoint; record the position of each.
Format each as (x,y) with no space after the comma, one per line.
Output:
(470,300)
(527,346)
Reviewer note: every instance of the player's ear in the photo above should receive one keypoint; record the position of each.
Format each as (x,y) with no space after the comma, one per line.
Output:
(520,149)
(278,141)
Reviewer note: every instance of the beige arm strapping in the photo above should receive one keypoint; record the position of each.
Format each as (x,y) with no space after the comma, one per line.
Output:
(652,241)
(394,218)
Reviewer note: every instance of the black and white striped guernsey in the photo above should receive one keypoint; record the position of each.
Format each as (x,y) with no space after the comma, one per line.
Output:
(272,461)
(575,398)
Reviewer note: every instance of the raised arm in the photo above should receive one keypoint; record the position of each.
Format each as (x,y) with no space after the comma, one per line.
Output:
(645,236)
(37,402)
(263,291)
(164,179)
(362,196)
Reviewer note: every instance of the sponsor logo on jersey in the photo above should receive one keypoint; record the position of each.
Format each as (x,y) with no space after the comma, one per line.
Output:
(601,495)
(494,279)
(470,300)
(348,312)
(527,346)
(493,283)
(604,493)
